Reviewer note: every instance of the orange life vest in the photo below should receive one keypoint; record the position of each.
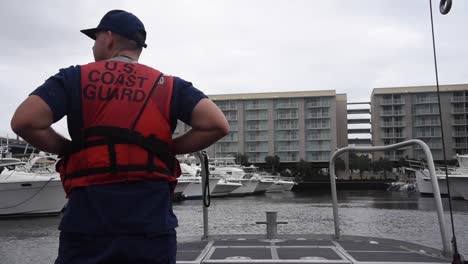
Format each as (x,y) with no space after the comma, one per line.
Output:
(126,133)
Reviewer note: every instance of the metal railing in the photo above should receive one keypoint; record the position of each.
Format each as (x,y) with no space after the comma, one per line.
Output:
(203,157)
(432,171)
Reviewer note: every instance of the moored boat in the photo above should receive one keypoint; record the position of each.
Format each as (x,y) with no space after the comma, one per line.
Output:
(31,189)
(458,180)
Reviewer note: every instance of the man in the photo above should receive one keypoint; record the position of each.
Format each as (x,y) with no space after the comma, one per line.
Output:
(119,168)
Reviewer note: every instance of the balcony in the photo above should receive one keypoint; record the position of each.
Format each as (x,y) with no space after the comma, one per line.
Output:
(256,106)
(228,140)
(428,100)
(427,124)
(317,155)
(392,135)
(430,145)
(318,137)
(317,148)
(288,158)
(256,128)
(459,110)
(427,135)
(231,117)
(291,127)
(460,133)
(287,138)
(286,105)
(256,139)
(426,112)
(460,145)
(227,107)
(290,116)
(392,113)
(459,99)
(318,115)
(318,104)
(227,150)
(393,124)
(392,101)
(225,146)
(459,122)
(260,150)
(287,148)
(317,126)
(256,117)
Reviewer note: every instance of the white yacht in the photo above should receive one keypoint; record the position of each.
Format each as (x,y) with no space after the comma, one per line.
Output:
(233,175)
(253,173)
(224,186)
(458,179)
(31,189)
(279,184)
(180,188)
(191,179)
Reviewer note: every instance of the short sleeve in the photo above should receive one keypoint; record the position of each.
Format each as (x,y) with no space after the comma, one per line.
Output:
(184,99)
(56,91)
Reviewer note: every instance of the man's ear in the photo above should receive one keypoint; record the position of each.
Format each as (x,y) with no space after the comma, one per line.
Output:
(110,41)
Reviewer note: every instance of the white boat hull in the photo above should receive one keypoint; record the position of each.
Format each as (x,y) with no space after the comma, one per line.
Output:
(262,186)
(224,188)
(458,185)
(180,187)
(28,198)
(248,186)
(280,186)
(194,189)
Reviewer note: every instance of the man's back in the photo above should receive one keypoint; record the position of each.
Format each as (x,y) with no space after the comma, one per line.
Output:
(126,207)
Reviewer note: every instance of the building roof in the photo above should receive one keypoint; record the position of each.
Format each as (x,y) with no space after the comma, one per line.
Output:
(419,89)
(295,94)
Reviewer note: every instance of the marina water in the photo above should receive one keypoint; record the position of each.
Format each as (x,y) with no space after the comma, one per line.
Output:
(397,215)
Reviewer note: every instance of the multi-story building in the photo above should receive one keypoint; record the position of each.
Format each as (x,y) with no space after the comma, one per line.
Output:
(305,125)
(404,113)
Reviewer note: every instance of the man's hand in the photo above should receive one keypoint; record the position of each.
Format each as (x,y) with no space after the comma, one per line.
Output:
(32,121)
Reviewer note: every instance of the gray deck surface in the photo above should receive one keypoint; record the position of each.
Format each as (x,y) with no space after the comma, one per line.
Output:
(303,249)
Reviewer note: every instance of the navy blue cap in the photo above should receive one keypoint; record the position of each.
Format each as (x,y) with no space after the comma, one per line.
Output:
(123,23)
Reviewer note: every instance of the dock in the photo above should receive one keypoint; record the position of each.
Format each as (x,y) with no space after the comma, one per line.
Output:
(313,248)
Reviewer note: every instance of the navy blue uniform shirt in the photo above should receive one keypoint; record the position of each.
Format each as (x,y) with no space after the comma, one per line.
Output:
(120,208)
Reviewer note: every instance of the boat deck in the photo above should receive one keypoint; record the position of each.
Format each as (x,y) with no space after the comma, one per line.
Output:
(303,249)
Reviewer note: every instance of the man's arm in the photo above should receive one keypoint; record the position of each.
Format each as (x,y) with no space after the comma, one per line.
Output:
(32,121)
(208,126)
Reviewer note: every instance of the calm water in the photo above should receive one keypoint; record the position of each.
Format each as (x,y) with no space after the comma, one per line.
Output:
(369,213)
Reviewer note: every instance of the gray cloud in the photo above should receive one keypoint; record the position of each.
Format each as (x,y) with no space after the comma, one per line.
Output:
(244,46)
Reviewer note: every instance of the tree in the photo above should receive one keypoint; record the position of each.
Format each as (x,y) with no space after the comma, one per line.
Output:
(377,165)
(242,159)
(303,168)
(273,162)
(340,164)
(359,162)
(387,165)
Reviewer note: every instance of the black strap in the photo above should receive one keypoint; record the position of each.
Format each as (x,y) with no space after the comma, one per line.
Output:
(118,135)
(145,103)
(126,168)
(112,157)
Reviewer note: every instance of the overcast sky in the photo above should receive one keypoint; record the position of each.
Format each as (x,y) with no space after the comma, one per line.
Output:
(242,46)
